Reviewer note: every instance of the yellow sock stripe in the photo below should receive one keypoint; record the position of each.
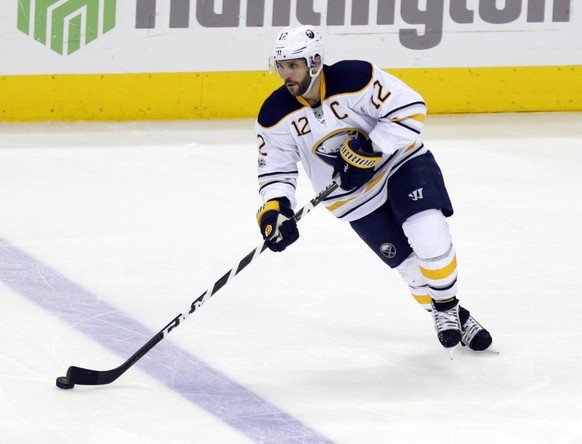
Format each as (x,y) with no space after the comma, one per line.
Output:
(441,273)
(422,299)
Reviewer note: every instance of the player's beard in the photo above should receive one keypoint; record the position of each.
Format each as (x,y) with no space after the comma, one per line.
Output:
(302,87)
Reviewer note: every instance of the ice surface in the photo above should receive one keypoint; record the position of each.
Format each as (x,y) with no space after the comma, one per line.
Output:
(108,231)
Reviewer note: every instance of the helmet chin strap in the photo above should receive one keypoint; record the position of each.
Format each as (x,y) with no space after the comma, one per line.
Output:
(310,84)
(313,77)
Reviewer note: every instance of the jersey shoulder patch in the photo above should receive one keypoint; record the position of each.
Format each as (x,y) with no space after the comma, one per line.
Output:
(277,106)
(347,76)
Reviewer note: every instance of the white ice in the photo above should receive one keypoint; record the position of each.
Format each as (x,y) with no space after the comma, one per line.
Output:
(109,230)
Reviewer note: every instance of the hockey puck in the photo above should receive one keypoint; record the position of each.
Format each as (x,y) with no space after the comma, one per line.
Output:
(63,383)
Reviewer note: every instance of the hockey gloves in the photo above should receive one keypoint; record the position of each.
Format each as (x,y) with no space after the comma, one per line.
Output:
(355,163)
(277,225)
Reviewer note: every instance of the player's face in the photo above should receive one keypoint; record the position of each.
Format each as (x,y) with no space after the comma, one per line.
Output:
(295,75)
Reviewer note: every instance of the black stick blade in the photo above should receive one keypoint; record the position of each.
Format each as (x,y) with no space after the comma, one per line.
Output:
(85,376)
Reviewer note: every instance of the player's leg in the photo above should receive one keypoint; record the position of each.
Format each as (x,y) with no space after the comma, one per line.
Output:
(436,260)
(420,202)
(474,335)
(384,235)
(417,286)
(380,231)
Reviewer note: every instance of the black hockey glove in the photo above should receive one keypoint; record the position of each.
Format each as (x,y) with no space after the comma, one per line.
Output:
(276,223)
(355,163)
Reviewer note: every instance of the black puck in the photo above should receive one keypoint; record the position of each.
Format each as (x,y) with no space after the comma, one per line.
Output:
(63,383)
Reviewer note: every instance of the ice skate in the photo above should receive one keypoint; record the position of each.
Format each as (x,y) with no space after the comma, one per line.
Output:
(474,335)
(446,322)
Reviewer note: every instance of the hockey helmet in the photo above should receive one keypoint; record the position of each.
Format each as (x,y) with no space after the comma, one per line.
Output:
(300,42)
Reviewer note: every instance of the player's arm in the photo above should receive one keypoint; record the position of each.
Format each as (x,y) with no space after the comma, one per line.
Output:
(277,170)
(400,112)
(277,175)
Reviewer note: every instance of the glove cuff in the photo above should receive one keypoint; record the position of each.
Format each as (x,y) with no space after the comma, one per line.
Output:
(359,160)
(271,205)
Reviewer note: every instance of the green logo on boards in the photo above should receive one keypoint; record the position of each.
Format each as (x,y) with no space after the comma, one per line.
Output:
(66,25)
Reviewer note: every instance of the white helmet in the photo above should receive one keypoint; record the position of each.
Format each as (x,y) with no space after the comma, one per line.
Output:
(301,42)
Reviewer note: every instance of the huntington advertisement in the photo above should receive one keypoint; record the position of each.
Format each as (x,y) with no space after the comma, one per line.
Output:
(148,36)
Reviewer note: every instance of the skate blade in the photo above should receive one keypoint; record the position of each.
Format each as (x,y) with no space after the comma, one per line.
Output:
(489,350)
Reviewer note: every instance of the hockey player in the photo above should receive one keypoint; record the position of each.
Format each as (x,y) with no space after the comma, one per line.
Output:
(355,121)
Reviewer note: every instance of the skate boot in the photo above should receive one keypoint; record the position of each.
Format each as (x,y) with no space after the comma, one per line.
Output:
(474,335)
(446,322)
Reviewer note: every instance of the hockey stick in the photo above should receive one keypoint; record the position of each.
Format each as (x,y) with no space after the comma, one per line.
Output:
(84,376)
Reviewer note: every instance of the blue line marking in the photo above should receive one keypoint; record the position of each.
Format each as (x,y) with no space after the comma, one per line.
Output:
(187,375)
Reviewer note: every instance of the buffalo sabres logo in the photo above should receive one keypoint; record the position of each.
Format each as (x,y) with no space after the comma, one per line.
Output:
(328,148)
(388,250)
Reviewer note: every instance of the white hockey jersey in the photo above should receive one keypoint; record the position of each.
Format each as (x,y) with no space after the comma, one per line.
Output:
(356,98)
